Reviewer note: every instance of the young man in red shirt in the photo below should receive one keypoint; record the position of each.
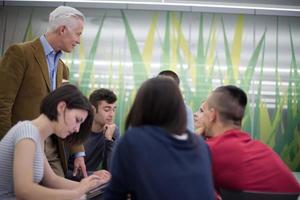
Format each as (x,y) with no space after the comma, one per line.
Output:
(239,162)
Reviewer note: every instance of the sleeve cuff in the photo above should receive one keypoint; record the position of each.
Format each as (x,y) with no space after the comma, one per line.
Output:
(79,154)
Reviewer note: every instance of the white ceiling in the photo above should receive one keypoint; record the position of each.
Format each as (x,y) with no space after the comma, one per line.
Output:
(260,7)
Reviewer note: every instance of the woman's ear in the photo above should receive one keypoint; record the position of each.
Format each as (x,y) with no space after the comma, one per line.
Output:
(61,106)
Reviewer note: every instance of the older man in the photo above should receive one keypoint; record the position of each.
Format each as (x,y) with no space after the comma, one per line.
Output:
(30,70)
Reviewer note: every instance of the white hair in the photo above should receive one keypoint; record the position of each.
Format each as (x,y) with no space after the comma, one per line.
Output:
(64,16)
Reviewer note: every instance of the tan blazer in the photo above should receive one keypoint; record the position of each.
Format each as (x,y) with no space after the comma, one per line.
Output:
(24,82)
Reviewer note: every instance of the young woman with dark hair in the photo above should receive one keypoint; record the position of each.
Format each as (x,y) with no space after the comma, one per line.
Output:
(157,158)
(25,171)
(158,102)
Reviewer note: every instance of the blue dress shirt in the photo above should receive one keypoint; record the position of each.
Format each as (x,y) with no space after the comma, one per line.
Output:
(52,58)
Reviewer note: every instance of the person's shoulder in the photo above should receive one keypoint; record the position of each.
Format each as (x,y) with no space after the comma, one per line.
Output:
(141,129)
(224,139)
(132,131)
(22,124)
(14,48)
(35,41)
(134,137)
(24,129)
(136,132)
(22,46)
(145,134)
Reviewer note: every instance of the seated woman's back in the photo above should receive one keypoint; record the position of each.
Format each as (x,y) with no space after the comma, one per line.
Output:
(150,163)
(156,159)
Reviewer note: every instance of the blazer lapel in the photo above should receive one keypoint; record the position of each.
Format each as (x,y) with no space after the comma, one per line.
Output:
(41,59)
(59,74)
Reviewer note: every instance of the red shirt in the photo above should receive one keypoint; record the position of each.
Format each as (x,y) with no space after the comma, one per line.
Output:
(241,163)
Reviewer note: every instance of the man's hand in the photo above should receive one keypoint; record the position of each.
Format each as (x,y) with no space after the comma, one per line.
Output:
(109,130)
(79,165)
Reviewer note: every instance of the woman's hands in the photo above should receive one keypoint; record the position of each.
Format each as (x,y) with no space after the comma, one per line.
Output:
(104,175)
(87,184)
(96,179)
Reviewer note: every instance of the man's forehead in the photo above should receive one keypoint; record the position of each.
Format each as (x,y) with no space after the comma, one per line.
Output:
(202,104)
(104,103)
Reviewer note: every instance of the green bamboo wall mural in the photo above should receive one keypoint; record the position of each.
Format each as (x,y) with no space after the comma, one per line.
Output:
(86,77)
(121,48)
(29,34)
(166,44)
(139,70)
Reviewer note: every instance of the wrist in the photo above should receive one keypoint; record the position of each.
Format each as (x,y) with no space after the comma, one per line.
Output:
(109,138)
(80,194)
(83,197)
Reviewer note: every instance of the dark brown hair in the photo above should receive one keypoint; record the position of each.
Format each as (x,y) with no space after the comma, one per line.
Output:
(102,94)
(170,74)
(74,99)
(230,101)
(158,102)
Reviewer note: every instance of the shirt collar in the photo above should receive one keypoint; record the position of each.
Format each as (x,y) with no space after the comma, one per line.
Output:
(47,47)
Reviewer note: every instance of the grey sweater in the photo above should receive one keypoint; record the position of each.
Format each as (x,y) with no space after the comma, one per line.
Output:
(22,130)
